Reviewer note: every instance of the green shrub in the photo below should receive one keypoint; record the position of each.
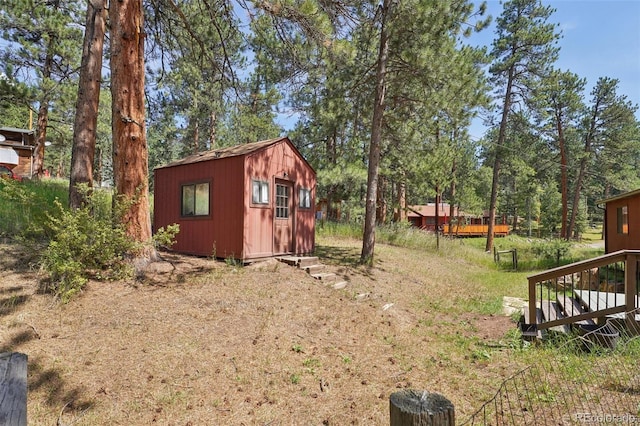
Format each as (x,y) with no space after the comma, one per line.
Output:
(166,237)
(551,250)
(76,245)
(85,243)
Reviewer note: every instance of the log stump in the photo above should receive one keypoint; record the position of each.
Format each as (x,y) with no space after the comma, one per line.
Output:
(420,408)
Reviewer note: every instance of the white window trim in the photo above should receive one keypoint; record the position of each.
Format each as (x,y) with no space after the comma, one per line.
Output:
(259,192)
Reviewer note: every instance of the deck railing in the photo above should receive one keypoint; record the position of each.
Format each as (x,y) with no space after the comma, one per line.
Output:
(473,230)
(594,289)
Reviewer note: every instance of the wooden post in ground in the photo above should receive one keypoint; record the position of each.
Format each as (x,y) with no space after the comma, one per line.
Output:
(13,389)
(413,408)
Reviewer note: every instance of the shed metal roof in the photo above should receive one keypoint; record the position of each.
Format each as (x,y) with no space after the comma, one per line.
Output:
(232,151)
(16,130)
(429,210)
(619,196)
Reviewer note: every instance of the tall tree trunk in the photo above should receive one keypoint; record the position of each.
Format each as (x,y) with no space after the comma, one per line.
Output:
(86,120)
(60,168)
(437,229)
(369,236)
(381,210)
(196,136)
(130,151)
(402,200)
(583,164)
(97,167)
(514,210)
(578,189)
(564,179)
(336,145)
(195,120)
(43,113)
(452,190)
(212,129)
(41,138)
(497,161)
(603,233)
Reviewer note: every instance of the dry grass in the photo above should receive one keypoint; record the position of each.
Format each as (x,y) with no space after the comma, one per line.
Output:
(201,342)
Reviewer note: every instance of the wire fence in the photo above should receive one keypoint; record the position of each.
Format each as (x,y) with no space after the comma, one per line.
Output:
(589,380)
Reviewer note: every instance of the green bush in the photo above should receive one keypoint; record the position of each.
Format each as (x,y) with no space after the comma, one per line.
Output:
(76,245)
(85,243)
(551,250)
(166,237)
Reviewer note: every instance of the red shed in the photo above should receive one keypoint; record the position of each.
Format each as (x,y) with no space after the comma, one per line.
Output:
(247,202)
(622,222)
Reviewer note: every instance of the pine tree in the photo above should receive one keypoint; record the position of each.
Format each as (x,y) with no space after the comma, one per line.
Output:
(86,117)
(610,127)
(559,100)
(42,39)
(523,51)
(130,151)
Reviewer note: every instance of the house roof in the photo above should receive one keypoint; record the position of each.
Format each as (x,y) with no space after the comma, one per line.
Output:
(16,130)
(429,210)
(232,151)
(13,136)
(620,196)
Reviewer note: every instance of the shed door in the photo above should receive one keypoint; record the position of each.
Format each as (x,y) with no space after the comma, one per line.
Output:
(283,226)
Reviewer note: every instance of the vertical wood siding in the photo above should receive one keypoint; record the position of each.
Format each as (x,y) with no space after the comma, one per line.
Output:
(614,240)
(237,227)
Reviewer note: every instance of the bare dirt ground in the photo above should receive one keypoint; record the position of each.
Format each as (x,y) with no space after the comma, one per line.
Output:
(201,342)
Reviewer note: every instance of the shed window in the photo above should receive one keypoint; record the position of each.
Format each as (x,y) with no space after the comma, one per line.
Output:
(282,202)
(623,220)
(195,199)
(259,192)
(305,198)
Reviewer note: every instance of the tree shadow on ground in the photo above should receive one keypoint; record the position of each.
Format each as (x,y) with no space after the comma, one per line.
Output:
(175,268)
(18,258)
(13,289)
(345,257)
(58,394)
(339,256)
(10,304)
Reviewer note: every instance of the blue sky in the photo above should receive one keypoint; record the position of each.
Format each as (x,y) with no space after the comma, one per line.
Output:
(600,38)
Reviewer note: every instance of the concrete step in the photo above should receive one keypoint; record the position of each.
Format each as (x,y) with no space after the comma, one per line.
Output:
(324,276)
(340,285)
(289,260)
(314,269)
(303,262)
(362,296)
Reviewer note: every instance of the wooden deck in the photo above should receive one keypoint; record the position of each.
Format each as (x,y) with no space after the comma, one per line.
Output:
(585,292)
(584,301)
(600,300)
(474,230)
